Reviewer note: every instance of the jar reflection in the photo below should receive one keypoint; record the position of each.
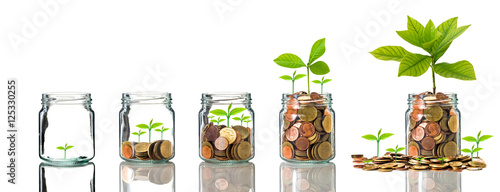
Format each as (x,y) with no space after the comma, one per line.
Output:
(227,177)
(138,177)
(307,177)
(443,181)
(75,178)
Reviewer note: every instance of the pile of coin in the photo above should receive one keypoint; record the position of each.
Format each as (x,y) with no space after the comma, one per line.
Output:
(433,181)
(231,178)
(308,179)
(388,163)
(157,150)
(433,126)
(226,143)
(159,175)
(307,126)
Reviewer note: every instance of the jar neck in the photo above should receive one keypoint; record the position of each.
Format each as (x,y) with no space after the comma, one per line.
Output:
(315,98)
(431,99)
(226,98)
(147,98)
(66,99)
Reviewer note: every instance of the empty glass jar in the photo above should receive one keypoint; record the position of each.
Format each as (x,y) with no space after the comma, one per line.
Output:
(433,125)
(147,127)
(66,128)
(226,132)
(307,127)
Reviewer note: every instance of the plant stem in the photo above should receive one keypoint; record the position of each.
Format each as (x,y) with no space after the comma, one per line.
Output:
(377,147)
(477,153)
(149,135)
(308,87)
(64,153)
(228,119)
(162,135)
(293,87)
(433,76)
(139,136)
(322,88)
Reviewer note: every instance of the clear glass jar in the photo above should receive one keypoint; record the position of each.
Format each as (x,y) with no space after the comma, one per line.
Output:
(428,181)
(72,177)
(307,177)
(226,131)
(227,177)
(66,128)
(433,125)
(307,127)
(142,176)
(147,127)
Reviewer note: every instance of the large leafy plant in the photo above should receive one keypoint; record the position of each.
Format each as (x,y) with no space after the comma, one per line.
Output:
(435,41)
(293,61)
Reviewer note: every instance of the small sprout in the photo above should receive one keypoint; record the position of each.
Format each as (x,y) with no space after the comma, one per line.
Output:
(149,127)
(419,160)
(367,161)
(442,159)
(139,134)
(241,119)
(472,151)
(477,140)
(247,121)
(395,151)
(322,81)
(218,120)
(377,138)
(163,129)
(293,78)
(211,117)
(230,112)
(66,147)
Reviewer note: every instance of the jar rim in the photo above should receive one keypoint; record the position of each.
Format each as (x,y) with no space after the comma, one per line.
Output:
(220,97)
(66,98)
(147,97)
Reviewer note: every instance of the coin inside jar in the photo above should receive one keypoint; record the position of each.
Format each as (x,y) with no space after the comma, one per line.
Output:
(307,113)
(211,133)
(302,143)
(292,134)
(432,129)
(328,123)
(428,143)
(453,123)
(418,133)
(229,134)
(221,143)
(433,113)
(307,129)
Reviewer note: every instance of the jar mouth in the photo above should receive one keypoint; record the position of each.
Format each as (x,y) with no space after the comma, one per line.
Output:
(146,98)
(314,98)
(429,98)
(66,98)
(226,97)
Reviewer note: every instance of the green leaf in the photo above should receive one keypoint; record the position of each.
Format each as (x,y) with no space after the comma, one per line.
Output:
(400,149)
(450,36)
(485,137)
(135,133)
(236,118)
(369,137)
(430,32)
(389,53)
(317,50)
(221,120)
(289,60)
(316,81)
(379,131)
(158,130)
(142,133)
(286,77)
(411,37)
(466,151)
(143,126)
(155,125)
(213,120)
(245,118)
(385,136)
(229,107)
(151,122)
(414,25)
(479,134)
(236,111)
(477,149)
(391,150)
(299,76)
(326,81)
(319,68)
(428,46)
(462,70)
(60,148)
(469,139)
(219,112)
(69,147)
(414,65)
(295,72)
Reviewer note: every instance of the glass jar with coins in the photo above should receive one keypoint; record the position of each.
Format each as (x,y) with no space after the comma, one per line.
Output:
(66,128)
(147,128)
(227,177)
(226,123)
(142,176)
(307,127)
(307,177)
(433,125)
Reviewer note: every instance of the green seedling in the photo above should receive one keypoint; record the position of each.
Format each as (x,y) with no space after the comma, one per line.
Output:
(241,119)
(377,138)
(322,81)
(290,60)
(139,134)
(293,78)
(149,127)
(396,151)
(435,41)
(419,160)
(211,117)
(230,112)
(367,161)
(472,151)
(163,129)
(218,120)
(477,140)
(65,148)
(247,121)
(442,159)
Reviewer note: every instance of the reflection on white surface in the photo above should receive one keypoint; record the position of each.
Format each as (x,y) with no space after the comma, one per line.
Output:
(74,178)
(150,177)
(307,177)
(433,181)
(227,177)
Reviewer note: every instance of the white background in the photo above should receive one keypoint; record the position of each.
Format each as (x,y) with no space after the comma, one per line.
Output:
(189,47)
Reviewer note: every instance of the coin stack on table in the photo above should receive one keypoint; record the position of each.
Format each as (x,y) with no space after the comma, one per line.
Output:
(157,150)
(433,126)
(307,126)
(223,143)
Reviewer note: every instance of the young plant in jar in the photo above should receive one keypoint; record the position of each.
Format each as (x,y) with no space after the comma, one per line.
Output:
(432,120)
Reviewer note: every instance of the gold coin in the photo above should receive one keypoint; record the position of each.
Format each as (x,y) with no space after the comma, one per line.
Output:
(318,123)
(328,123)
(433,113)
(229,134)
(443,123)
(385,170)
(243,131)
(453,123)
(456,164)
(166,149)
(151,148)
(244,150)
(325,150)
(307,113)
(450,149)
(141,147)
